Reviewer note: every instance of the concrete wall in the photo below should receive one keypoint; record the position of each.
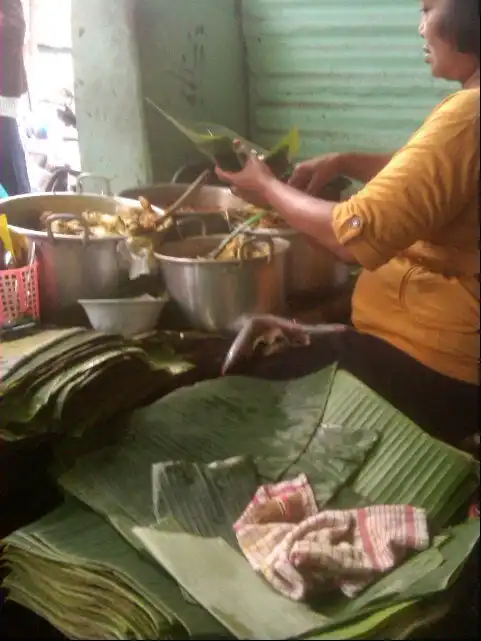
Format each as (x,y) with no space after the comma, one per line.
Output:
(108,92)
(187,55)
(192,64)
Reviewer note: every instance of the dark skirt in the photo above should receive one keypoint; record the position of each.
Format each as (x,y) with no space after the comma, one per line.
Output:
(13,166)
(446,408)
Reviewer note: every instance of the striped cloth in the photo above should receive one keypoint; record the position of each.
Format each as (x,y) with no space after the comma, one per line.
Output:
(299,549)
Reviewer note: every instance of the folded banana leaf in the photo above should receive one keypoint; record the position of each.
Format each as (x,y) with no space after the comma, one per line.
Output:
(73,569)
(217,143)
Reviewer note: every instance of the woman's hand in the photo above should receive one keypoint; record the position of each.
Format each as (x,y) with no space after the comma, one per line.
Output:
(313,175)
(270,334)
(249,182)
(262,329)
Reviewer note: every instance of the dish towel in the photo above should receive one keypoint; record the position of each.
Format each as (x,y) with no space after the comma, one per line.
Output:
(299,549)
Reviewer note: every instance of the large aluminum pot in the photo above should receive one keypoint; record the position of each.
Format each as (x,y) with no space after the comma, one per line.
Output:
(214,294)
(310,267)
(70,267)
(211,205)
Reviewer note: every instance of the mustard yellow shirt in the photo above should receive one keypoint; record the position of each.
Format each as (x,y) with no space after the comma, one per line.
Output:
(415,230)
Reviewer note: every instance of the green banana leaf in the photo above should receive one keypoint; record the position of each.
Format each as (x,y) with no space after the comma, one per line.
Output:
(18,352)
(407,466)
(68,381)
(221,580)
(397,621)
(274,423)
(216,142)
(73,567)
(355,448)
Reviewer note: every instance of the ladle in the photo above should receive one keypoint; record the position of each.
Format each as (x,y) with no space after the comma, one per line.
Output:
(139,249)
(190,191)
(215,253)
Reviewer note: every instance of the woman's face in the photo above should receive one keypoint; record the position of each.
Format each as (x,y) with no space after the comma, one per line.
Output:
(446,62)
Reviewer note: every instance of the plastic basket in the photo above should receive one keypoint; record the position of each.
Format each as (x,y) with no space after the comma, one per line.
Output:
(19,294)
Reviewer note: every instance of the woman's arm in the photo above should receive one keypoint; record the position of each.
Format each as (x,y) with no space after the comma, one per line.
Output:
(420,191)
(312,176)
(309,215)
(362,167)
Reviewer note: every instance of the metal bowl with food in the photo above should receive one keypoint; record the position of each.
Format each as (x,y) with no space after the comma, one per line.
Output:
(214,293)
(77,239)
(211,206)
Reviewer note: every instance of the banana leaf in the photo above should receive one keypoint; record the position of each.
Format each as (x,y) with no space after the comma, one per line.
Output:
(274,423)
(407,465)
(68,381)
(286,428)
(21,350)
(216,142)
(226,586)
(394,622)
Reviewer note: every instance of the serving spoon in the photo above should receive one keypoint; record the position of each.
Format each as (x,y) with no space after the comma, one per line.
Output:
(190,191)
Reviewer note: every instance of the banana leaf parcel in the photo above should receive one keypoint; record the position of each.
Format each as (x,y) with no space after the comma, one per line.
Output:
(355,449)
(217,143)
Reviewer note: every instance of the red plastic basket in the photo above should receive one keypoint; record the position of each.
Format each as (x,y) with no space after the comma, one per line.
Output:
(19,294)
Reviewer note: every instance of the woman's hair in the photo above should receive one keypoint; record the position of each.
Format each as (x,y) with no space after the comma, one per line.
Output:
(461,25)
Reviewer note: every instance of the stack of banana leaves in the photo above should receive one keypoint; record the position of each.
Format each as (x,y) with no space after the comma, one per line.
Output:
(63,383)
(143,545)
(59,381)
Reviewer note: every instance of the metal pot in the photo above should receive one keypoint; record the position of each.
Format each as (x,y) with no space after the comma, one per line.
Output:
(212,205)
(70,267)
(214,294)
(310,267)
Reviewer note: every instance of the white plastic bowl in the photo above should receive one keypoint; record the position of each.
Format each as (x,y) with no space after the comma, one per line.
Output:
(126,316)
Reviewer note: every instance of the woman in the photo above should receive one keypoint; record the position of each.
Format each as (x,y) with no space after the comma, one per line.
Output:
(13,85)
(414,228)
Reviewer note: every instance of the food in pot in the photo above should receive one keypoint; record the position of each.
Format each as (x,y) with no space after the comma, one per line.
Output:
(243,248)
(270,220)
(130,222)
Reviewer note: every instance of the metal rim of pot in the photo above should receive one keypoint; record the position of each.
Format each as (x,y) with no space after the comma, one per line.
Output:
(86,237)
(183,218)
(239,262)
(234,219)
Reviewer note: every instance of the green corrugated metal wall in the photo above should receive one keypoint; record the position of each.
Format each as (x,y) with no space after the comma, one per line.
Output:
(349,73)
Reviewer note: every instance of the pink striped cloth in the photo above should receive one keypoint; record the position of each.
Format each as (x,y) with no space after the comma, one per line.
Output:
(299,549)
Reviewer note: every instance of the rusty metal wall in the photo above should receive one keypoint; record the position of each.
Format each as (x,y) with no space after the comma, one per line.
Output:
(192,63)
(349,73)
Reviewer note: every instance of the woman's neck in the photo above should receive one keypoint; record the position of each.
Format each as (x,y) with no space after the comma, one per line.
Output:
(473,81)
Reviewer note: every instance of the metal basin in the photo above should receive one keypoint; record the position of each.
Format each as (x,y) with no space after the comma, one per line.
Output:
(70,267)
(212,295)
